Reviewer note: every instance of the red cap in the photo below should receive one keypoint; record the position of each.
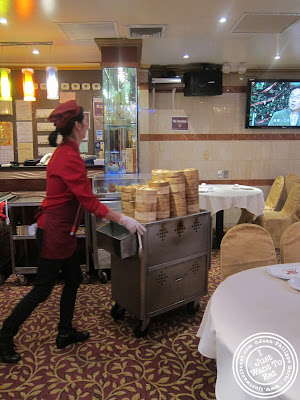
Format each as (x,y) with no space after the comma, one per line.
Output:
(63,113)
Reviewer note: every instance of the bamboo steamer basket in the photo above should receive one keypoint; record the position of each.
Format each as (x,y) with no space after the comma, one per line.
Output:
(190,172)
(129,213)
(128,204)
(145,204)
(145,217)
(193,208)
(163,214)
(128,189)
(148,207)
(160,185)
(159,174)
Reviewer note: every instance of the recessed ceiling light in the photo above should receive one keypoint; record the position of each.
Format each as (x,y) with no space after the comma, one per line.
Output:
(186,56)
(35,51)
(3,21)
(222,20)
(277,57)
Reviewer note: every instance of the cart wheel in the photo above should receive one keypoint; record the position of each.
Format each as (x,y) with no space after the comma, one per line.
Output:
(138,331)
(22,280)
(102,276)
(117,312)
(86,278)
(192,307)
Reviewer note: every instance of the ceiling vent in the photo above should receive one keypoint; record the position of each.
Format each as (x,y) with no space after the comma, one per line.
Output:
(146,31)
(264,23)
(90,30)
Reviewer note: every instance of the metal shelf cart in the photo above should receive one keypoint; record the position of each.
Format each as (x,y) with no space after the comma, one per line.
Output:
(24,254)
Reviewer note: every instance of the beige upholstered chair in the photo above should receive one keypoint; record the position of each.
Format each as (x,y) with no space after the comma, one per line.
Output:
(274,194)
(290,179)
(246,246)
(272,202)
(276,222)
(290,244)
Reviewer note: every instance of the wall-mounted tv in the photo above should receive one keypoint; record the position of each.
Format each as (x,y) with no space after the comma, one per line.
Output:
(273,103)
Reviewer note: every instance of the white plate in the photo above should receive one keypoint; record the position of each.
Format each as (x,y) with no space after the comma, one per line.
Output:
(294,285)
(284,271)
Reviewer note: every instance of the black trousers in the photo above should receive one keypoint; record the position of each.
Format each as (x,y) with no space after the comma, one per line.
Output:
(47,274)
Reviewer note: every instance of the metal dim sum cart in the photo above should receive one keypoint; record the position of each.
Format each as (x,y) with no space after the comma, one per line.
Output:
(166,268)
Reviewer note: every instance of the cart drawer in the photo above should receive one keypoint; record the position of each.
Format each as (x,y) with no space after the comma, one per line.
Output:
(176,238)
(176,282)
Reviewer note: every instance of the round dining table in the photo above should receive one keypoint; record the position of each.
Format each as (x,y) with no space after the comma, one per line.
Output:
(254,308)
(217,198)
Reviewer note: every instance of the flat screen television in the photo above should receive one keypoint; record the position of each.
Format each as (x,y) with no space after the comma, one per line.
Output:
(273,103)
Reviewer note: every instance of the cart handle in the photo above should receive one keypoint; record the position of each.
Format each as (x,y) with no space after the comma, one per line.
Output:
(140,245)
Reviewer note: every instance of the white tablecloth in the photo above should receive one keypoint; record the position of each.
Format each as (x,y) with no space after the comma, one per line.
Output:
(245,304)
(224,196)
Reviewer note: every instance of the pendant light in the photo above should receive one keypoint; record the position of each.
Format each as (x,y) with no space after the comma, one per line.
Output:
(5,83)
(28,85)
(52,81)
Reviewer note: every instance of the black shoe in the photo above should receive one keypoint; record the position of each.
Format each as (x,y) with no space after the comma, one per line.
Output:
(63,340)
(7,352)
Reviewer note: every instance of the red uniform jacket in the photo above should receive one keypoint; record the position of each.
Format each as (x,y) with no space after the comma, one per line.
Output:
(67,188)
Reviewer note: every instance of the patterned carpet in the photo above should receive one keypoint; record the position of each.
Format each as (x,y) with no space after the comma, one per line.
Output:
(113,364)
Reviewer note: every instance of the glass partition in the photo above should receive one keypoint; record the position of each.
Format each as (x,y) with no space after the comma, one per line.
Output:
(120,120)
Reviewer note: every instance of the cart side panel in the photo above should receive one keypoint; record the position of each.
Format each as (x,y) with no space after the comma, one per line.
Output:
(126,283)
(178,282)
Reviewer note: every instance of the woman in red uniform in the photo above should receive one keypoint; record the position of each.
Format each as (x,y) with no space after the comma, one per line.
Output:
(68,190)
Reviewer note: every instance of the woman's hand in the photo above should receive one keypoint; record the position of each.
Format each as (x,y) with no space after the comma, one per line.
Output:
(132,225)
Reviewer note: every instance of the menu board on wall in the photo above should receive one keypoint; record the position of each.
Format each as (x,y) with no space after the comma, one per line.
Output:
(23,110)
(24,131)
(66,96)
(6,154)
(25,151)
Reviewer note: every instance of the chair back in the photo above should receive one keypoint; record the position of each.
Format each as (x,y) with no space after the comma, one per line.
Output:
(290,179)
(290,206)
(246,246)
(290,244)
(275,193)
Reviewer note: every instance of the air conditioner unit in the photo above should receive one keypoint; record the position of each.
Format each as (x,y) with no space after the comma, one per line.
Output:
(166,80)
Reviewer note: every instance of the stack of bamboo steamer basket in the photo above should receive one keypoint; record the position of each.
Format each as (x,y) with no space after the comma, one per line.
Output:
(163,198)
(191,187)
(128,200)
(176,181)
(145,204)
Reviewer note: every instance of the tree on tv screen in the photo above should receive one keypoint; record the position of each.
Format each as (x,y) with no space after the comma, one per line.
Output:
(266,98)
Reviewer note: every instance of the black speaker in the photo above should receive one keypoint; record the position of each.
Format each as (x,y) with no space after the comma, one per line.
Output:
(202,83)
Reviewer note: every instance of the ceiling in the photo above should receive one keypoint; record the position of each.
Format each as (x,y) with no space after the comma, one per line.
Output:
(253,33)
